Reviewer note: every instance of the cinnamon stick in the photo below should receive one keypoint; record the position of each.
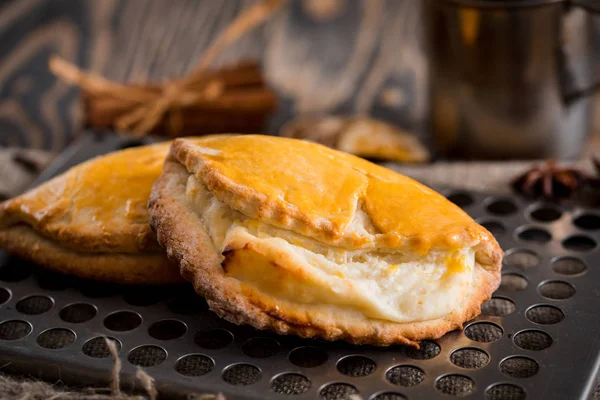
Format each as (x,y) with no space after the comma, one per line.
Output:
(229,99)
(194,124)
(253,100)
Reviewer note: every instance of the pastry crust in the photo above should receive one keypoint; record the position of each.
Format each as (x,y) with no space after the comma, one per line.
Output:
(97,206)
(125,268)
(365,137)
(92,221)
(182,231)
(335,186)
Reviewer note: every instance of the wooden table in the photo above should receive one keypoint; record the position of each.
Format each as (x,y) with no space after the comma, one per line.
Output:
(322,56)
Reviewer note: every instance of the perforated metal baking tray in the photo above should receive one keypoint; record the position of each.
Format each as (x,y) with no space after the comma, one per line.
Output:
(538,338)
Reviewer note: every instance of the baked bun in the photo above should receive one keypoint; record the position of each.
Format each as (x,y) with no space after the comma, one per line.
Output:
(295,237)
(92,221)
(361,136)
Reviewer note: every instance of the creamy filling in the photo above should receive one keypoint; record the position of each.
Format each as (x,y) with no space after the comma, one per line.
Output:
(396,285)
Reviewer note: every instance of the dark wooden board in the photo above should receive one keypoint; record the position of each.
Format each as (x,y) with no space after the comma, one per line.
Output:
(322,56)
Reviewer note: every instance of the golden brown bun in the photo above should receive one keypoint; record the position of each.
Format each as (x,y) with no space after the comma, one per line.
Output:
(92,221)
(259,225)
(364,137)
(124,268)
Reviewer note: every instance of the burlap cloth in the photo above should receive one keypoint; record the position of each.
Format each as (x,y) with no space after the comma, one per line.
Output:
(18,168)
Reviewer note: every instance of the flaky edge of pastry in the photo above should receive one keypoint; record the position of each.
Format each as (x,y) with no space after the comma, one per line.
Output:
(55,224)
(180,231)
(124,268)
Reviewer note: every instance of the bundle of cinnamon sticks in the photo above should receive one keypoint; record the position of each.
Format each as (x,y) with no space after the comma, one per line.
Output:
(231,99)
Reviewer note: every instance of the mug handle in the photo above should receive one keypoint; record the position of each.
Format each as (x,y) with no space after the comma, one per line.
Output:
(592,6)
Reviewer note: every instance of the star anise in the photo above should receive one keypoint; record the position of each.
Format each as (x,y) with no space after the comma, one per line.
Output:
(551,182)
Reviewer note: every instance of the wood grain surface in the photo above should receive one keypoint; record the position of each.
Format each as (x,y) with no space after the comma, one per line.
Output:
(321,56)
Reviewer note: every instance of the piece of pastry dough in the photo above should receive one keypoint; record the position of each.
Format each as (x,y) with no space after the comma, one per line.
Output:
(365,137)
(92,221)
(295,237)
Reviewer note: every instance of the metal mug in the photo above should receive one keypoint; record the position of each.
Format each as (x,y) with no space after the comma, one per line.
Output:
(510,79)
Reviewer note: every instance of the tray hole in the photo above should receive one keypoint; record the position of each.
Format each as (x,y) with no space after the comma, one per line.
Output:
(427,351)
(98,290)
(290,384)
(34,305)
(494,227)
(308,357)
(405,375)
(469,357)
(533,340)
(260,347)
(505,391)
(545,315)
(498,307)
(97,347)
(519,367)
(502,207)
(15,270)
(53,281)
(143,297)
(167,329)
(588,222)
(523,259)
(187,303)
(147,356)
(579,243)
(194,365)
(546,213)
(15,329)
(461,199)
(389,396)
(245,332)
(337,391)
(4,295)
(56,338)
(213,338)
(122,321)
(512,283)
(356,366)
(455,385)
(557,290)
(484,332)
(241,374)
(569,266)
(78,313)
(534,235)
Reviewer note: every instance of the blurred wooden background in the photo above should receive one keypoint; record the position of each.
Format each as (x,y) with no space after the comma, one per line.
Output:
(321,56)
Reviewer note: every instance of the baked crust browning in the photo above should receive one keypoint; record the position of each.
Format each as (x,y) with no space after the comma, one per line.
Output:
(333,188)
(125,268)
(214,272)
(92,221)
(97,206)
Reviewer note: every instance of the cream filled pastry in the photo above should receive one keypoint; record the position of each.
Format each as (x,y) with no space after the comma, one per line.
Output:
(295,237)
(92,221)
